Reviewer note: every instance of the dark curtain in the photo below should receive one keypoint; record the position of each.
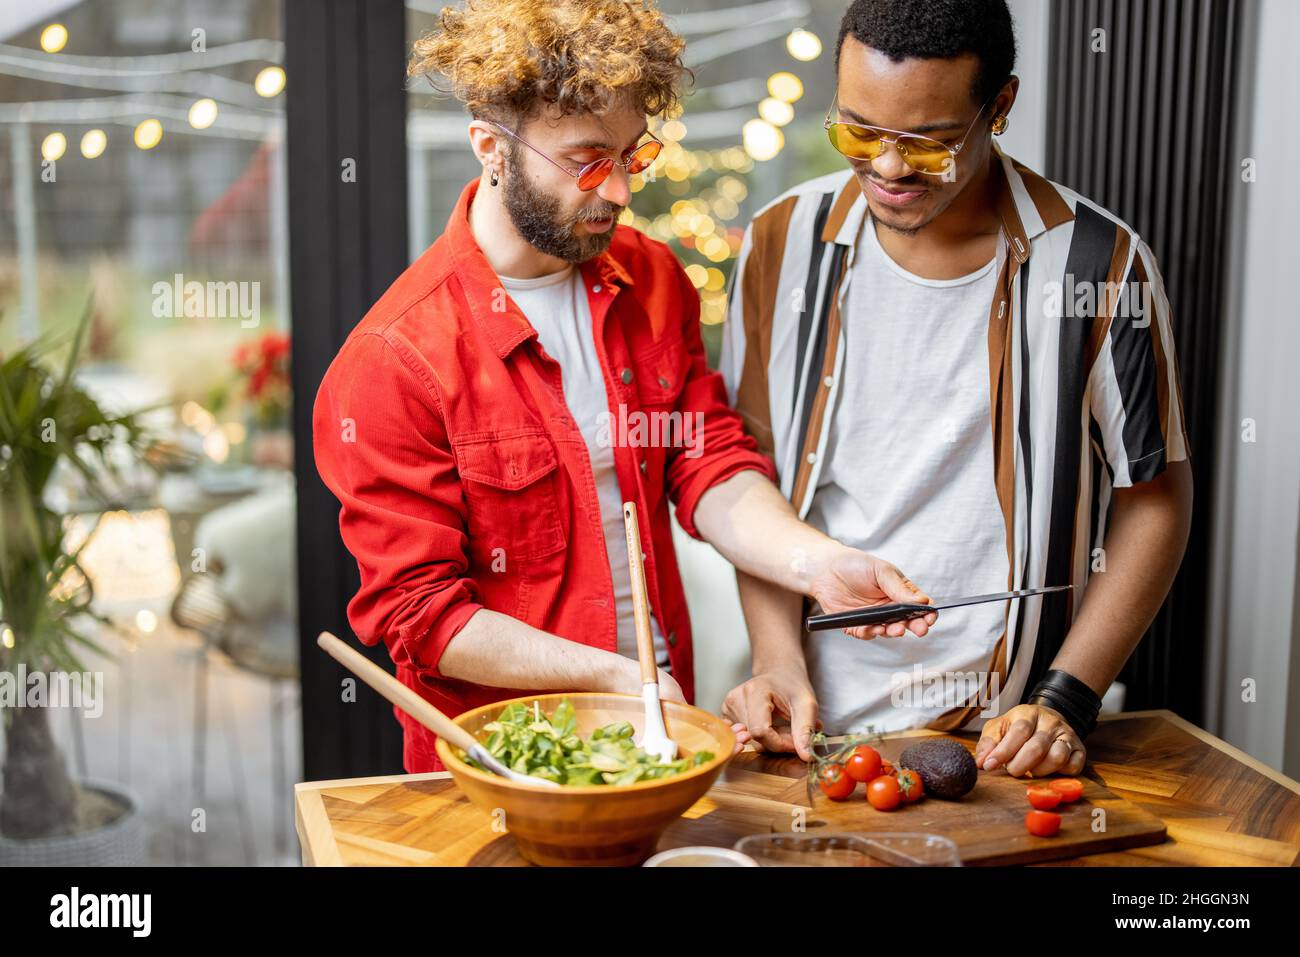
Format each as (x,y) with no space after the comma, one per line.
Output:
(1143,127)
(345,60)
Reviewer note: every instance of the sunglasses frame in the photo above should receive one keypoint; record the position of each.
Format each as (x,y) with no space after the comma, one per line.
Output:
(579,173)
(899,134)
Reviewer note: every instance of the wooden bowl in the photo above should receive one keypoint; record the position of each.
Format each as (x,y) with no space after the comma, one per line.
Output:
(595,824)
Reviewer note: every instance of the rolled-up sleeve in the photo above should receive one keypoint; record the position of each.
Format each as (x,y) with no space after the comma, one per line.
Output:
(382,449)
(726,448)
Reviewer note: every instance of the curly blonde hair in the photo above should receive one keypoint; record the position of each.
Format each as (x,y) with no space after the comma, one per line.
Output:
(507,58)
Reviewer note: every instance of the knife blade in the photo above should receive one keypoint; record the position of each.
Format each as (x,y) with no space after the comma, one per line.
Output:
(905,611)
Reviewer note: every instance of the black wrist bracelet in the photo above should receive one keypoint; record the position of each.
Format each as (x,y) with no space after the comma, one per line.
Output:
(1074,717)
(1078,704)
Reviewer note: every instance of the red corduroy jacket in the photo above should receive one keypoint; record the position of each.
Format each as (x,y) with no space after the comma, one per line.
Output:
(464,483)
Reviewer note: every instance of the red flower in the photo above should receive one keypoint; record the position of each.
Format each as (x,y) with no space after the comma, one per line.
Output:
(274,346)
(264,365)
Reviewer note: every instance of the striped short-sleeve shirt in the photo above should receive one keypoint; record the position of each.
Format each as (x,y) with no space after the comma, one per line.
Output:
(1083,381)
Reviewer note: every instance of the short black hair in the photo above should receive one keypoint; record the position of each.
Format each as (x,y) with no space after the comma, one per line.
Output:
(932,29)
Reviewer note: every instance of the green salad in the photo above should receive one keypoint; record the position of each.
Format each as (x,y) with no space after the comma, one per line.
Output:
(528,741)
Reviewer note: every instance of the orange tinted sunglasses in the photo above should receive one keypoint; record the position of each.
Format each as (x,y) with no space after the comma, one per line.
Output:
(594,173)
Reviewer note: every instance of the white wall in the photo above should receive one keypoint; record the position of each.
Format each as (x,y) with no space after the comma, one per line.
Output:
(1257,512)
(1026,136)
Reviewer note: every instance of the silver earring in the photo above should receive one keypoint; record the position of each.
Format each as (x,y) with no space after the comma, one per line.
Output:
(494,179)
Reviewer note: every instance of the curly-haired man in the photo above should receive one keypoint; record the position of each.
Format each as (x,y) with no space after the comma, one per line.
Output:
(535,368)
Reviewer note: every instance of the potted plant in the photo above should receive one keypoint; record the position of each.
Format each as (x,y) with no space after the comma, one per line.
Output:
(47,419)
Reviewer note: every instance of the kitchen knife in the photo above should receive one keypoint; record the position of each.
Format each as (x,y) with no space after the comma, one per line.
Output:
(904,611)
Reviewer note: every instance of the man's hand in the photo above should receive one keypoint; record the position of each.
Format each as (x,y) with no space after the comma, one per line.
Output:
(669,689)
(853,579)
(629,682)
(742,737)
(1030,738)
(785,692)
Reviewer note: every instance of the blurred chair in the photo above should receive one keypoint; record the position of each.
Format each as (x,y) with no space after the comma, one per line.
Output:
(243,605)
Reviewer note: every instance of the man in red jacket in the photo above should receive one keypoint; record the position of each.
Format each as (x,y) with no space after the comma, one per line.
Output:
(536,367)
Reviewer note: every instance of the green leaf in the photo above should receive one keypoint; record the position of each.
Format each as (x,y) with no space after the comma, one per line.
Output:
(530,742)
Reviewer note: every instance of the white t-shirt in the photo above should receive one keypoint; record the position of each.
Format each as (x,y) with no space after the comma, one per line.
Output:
(909,478)
(556,305)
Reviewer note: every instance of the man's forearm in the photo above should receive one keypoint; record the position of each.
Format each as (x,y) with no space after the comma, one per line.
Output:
(1143,549)
(772,616)
(503,652)
(749,521)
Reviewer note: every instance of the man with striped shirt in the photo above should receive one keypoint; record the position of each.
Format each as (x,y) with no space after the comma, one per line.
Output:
(955,362)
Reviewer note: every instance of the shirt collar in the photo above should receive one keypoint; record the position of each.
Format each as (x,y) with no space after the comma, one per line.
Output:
(507,328)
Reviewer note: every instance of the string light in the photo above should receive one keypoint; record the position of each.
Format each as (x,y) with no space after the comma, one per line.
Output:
(762,140)
(93,143)
(197,418)
(216,445)
(148,134)
(803,45)
(203,113)
(54,38)
(785,86)
(777,112)
(673,130)
(269,82)
(53,146)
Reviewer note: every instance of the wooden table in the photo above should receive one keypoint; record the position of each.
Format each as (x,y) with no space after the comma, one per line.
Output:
(1220,806)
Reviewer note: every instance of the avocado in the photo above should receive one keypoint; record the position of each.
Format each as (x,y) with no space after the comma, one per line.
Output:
(947,770)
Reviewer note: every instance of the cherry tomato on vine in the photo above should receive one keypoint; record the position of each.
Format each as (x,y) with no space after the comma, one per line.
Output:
(884,793)
(835,782)
(910,785)
(864,763)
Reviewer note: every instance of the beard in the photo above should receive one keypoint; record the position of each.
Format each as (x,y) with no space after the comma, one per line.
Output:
(887,218)
(540,218)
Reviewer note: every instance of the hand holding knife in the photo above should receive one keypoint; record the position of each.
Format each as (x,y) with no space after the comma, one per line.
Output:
(905,611)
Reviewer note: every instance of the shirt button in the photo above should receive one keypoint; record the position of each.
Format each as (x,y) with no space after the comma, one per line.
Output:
(626,376)
(828,381)
(663,383)
(596,288)
(672,639)
(812,457)
(643,466)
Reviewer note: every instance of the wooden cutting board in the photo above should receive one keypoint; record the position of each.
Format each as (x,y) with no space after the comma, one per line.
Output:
(426,820)
(1222,808)
(988,824)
